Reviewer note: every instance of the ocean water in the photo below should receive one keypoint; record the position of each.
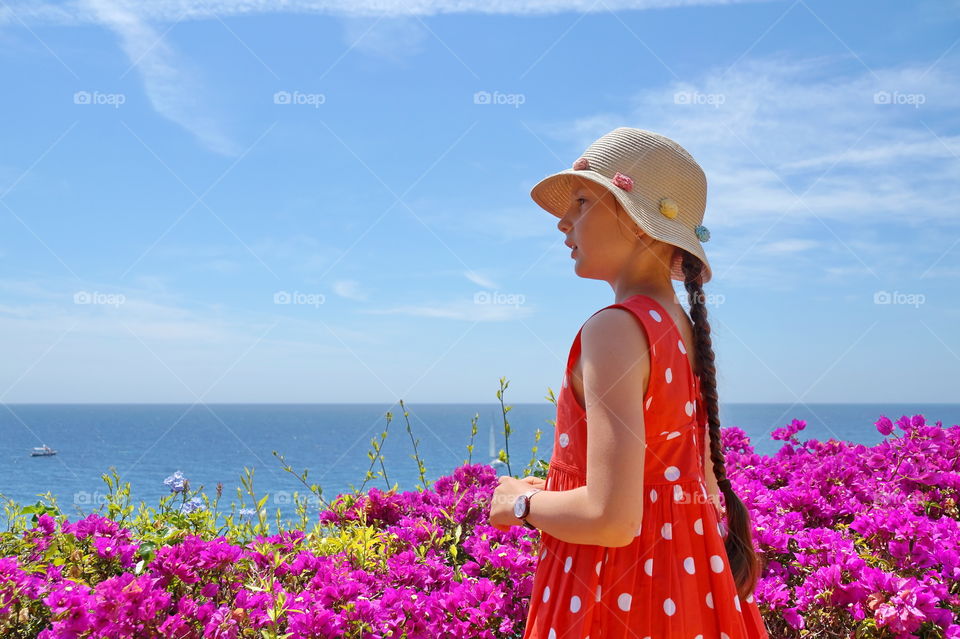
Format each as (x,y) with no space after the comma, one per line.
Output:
(214,443)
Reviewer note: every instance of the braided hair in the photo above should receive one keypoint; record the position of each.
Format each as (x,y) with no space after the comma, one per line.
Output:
(745,564)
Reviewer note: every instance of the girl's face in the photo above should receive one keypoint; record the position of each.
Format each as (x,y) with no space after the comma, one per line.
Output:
(603,234)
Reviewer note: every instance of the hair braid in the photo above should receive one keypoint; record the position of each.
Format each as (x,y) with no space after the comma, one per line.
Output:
(744,561)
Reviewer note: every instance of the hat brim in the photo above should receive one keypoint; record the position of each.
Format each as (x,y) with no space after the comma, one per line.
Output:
(552,194)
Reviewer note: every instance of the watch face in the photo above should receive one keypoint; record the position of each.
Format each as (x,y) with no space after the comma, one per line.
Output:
(519,506)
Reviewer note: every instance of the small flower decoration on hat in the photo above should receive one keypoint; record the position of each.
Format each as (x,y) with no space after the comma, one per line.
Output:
(582,164)
(669,208)
(625,182)
(703,233)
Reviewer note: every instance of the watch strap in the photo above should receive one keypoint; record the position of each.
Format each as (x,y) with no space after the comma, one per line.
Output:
(528,495)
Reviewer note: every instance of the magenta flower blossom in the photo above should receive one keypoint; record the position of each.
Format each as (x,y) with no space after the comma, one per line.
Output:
(884,425)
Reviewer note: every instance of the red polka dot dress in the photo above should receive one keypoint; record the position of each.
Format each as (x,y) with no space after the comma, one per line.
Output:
(673,581)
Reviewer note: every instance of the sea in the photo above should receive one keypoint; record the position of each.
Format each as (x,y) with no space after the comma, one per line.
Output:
(210,443)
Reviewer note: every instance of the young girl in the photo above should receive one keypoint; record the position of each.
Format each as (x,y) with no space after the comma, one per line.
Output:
(631,537)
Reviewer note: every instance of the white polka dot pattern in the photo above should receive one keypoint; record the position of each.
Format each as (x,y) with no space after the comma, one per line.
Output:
(564,440)
(574,604)
(716,563)
(669,607)
(624,601)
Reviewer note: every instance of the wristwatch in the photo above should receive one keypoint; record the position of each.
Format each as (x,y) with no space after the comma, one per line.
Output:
(521,507)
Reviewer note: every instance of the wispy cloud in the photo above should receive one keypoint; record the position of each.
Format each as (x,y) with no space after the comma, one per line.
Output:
(482,309)
(805,147)
(479,279)
(78,11)
(174,87)
(349,289)
(393,38)
(768,129)
(794,245)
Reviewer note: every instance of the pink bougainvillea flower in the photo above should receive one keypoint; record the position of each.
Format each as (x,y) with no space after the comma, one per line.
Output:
(581,164)
(623,181)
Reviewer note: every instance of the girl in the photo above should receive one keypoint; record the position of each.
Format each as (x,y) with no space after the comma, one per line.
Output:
(630,516)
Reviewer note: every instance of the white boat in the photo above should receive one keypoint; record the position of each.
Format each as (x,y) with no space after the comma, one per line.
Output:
(42,451)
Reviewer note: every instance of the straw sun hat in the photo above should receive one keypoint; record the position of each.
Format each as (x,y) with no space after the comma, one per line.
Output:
(657,182)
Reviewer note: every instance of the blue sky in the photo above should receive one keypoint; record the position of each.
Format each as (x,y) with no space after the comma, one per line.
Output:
(170,172)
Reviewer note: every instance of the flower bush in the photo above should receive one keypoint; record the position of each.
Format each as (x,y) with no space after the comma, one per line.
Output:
(858,541)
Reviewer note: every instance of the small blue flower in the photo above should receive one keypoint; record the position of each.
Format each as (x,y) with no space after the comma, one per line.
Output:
(246,512)
(703,234)
(177,482)
(192,505)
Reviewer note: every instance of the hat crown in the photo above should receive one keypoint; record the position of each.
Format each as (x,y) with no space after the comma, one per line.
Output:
(659,167)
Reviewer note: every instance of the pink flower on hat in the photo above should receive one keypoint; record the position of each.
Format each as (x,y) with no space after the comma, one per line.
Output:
(625,182)
(581,164)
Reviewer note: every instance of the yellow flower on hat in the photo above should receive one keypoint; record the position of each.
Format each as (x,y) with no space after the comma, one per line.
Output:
(669,208)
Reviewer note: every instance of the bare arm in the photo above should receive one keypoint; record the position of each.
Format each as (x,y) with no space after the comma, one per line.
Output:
(616,368)
(569,515)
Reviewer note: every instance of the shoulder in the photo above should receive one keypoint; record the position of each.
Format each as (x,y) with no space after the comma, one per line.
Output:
(613,332)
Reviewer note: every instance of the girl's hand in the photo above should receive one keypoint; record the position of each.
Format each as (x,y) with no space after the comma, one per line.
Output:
(535,482)
(501,505)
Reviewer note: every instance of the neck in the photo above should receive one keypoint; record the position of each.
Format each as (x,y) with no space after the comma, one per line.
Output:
(647,272)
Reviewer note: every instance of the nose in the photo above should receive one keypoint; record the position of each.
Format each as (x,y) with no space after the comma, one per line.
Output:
(563,224)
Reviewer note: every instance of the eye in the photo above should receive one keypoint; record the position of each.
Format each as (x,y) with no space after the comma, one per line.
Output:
(581,200)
